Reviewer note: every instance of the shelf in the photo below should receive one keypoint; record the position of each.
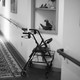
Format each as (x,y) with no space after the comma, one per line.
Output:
(48,31)
(46,9)
(39,14)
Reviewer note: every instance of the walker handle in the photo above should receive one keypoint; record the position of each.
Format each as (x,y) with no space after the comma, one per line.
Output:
(24,29)
(35,30)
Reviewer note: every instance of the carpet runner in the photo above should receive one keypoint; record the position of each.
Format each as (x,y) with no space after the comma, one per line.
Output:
(8,65)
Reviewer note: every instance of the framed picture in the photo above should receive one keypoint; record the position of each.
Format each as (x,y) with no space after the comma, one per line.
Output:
(3,2)
(14,6)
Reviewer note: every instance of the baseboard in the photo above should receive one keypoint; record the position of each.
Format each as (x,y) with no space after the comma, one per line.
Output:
(15,53)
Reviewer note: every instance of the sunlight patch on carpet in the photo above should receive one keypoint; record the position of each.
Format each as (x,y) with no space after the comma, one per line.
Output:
(8,65)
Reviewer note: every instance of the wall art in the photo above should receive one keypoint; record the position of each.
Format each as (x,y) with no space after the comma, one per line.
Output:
(14,6)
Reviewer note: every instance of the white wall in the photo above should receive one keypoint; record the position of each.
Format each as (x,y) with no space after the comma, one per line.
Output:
(71,39)
(23,16)
(5,11)
(71,29)
(70,71)
(12,33)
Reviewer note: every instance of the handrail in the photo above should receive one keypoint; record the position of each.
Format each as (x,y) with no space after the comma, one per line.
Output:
(62,53)
(12,21)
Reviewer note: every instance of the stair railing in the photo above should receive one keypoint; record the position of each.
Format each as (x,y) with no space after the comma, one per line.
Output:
(13,22)
(62,53)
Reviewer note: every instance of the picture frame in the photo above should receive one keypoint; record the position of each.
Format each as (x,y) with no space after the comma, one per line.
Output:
(13,6)
(3,2)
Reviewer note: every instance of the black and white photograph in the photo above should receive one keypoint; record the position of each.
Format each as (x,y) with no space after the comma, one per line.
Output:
(39,39)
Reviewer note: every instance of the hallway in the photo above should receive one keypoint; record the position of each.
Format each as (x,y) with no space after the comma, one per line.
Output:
(65,32)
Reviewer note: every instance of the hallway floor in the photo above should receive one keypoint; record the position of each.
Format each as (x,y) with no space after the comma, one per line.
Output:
(37,74)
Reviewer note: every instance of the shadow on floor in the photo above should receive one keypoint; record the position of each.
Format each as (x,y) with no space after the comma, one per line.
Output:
(37,74)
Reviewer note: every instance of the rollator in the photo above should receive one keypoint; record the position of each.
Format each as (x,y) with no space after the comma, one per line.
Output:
(41,50)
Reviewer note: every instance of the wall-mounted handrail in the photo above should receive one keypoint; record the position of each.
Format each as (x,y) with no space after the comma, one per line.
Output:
(62,53)
(12,21)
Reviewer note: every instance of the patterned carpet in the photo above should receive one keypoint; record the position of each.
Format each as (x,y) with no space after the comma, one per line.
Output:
(8,65)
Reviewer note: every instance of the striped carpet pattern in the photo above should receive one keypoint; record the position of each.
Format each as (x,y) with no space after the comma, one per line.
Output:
(8,65)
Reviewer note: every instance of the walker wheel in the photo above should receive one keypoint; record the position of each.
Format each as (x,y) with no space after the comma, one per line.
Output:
(23,73)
